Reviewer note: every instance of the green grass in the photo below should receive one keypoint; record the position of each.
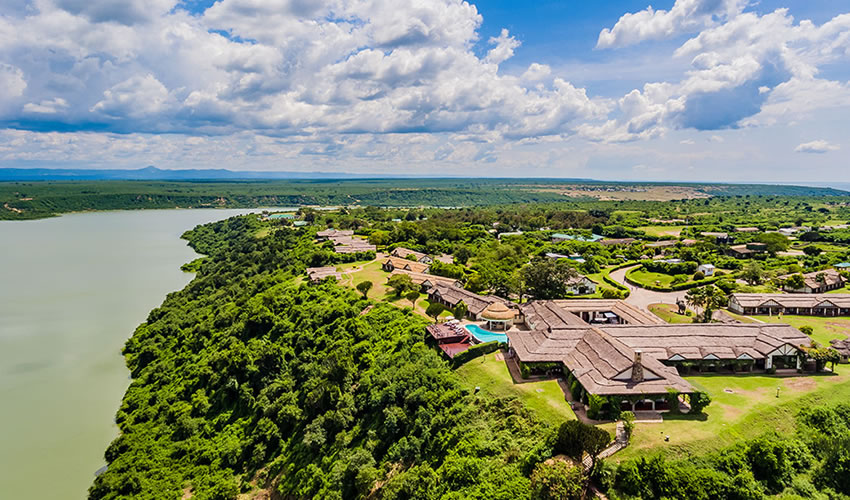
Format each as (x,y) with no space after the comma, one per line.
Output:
(670,313)
(545,398)
(846,289)
(825,329)
(662,231)
(750,410)
(644,277)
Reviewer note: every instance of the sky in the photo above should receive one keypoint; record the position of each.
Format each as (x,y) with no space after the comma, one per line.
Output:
(682,90)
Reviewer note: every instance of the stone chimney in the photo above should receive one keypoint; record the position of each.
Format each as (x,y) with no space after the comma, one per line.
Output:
(637,367)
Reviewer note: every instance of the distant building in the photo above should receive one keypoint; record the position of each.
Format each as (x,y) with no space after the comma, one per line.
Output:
(393,263)
(746,251)
(747,229)
(844,266)
(329,233)
(719,238)
(287,216)
(404,253)
(816,282)
(316,274)
(581,285)
(662,244)
(831,305)
(617,241)
(559,237)
(706,269)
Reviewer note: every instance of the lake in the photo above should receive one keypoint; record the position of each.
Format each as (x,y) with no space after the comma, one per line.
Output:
(72,290)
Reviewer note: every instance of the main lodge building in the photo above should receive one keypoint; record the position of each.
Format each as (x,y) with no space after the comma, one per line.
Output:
(617,351)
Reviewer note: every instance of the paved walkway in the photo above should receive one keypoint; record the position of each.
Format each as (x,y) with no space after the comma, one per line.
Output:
(641,297)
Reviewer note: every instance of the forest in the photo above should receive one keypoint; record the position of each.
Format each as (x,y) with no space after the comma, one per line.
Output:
(248,383)
(39,199)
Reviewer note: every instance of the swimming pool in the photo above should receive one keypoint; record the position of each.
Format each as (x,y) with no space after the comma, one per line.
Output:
(483,335)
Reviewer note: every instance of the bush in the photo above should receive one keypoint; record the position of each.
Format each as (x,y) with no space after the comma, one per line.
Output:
(557,481)
(475,351)
(628,423)
(699,275)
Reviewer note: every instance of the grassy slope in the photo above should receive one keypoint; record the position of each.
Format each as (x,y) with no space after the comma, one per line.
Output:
(670,313)
(546,397)
(662,231)
(825,329)
(750,410)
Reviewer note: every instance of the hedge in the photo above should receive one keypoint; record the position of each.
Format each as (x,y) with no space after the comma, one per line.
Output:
(611,281)
(476,351)
(681,286)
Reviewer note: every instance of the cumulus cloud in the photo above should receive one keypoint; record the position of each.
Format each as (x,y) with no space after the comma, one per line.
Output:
(363,78)
(818,147)
(686,16)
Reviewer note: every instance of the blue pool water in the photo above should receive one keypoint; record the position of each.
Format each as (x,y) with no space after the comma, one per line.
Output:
(483,335)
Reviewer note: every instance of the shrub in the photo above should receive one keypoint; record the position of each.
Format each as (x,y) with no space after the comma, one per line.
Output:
(699,275)
(628,423)
(475,351)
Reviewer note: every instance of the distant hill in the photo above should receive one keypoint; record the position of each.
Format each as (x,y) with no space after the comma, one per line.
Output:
(152,173)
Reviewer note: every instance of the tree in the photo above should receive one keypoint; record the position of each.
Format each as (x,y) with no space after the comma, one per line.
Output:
(462,255)
(698,401)
(364,287)
(709,298)
(401,283)
(546,278)
(775,242)
(628,419)
(412,296)
(795,282)
(753,273)
(460,310)
(379,238)
(812,251)
(556,480)
(434,310)
(576,438)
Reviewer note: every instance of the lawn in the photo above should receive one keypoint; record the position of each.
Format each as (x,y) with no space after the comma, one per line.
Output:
(846,289)
(662,231)
(545,398)
(742,407)
(825,329)
(643,277)
(670,313)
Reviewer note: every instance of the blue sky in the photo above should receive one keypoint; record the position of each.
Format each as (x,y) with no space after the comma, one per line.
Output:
(717,90)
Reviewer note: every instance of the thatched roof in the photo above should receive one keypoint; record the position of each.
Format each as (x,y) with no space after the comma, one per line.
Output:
(454,295)
(831,277)
(402,253)
(407,265)
(785,300)
(628,313)
(426,279)
(498,311)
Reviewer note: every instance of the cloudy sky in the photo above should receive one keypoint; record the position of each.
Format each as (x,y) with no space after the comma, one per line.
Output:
(718,90)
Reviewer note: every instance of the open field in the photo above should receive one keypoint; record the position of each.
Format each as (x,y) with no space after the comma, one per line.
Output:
(358,272)
(743,407)
(659,231)
(545,398)
(670,313)
(825,329)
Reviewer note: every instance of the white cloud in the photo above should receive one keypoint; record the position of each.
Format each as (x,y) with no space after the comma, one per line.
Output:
(819,147)
(378,79)
(686,16)
(48,106)
(536,72)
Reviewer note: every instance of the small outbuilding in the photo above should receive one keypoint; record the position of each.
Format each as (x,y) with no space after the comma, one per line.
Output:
(706,269)
(498,316)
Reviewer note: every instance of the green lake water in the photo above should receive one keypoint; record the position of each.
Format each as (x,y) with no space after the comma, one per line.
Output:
(72,290)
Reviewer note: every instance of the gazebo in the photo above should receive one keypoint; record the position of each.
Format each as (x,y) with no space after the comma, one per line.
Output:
(498,316)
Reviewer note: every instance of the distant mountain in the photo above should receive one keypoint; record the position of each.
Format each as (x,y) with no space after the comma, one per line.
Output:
(152,173)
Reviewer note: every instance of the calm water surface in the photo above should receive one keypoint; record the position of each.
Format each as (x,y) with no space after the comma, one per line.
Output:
(72,290)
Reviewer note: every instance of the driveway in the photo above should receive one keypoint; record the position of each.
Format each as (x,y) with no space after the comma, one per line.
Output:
(641,297)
